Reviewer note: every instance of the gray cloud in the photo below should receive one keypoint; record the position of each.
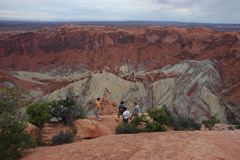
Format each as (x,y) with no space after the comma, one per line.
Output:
(210,11)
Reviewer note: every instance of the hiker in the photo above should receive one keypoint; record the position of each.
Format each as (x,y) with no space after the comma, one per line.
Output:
(98,108)
(136,110)
(126,115)
(120,109)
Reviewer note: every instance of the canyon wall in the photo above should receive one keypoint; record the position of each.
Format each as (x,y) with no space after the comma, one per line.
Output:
(194,71)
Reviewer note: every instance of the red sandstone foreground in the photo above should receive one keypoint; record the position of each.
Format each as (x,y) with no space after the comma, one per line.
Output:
(169,145)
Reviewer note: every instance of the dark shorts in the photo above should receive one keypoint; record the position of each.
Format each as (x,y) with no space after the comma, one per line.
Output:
(125,120)
(120,112)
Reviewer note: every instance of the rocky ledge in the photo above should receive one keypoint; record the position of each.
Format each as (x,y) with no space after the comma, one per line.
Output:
(169,145)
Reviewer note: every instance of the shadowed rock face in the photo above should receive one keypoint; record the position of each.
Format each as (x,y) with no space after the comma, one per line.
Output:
(149,65)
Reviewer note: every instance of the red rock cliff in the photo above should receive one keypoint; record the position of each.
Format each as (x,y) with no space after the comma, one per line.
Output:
(108,48)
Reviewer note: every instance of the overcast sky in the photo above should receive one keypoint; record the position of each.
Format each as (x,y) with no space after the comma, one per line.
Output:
(206,11)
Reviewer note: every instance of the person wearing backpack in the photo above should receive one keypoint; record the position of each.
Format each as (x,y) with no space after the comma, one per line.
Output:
(120,110)
(136,110)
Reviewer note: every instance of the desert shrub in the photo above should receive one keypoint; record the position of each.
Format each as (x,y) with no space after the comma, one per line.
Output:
(66,110)
(235,122)
(237,127)
(211,122)
(136,121)
(13,137)
(153,127)
(39,113)
(127,128)
(63,137)
(13,99)
(158,115)
(186,123)
(181,123)
(171,118)
(39,139)
(230,128)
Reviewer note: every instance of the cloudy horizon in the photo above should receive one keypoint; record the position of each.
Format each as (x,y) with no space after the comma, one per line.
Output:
(200,11)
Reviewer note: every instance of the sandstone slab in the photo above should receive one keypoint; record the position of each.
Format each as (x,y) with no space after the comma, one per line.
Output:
(32,130)
(86,128)
(185,145)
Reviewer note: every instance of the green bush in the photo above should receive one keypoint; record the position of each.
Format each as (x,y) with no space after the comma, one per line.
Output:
(136,121)
(186,123)
(181,123)
(153,127)
(39,113)
(230,128)
(211,122)
(66,110)
(237,123)
(171,119)
(13,99)
(63,137)
(237,127)
(13,137)
(158,115)
(127,128)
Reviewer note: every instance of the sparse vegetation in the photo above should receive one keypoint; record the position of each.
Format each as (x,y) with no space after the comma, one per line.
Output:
(237,123)
(153,127)
(237,127)
(136,121)
(13,99)
(230,128)
(39,113)
(63,137)
(211,122)
(181,123)
(186,123)
(159,118)
(171,118)
(127,128)
(158,115)
(13,137)
(66,110)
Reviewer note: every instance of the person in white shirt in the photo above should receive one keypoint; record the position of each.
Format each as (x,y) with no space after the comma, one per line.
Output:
(126,115)
(136,110)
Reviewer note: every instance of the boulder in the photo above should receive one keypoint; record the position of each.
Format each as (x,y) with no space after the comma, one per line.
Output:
(92,128)
(86,128)
(32,130)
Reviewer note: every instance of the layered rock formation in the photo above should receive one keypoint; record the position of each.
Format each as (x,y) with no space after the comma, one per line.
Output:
(194,71)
